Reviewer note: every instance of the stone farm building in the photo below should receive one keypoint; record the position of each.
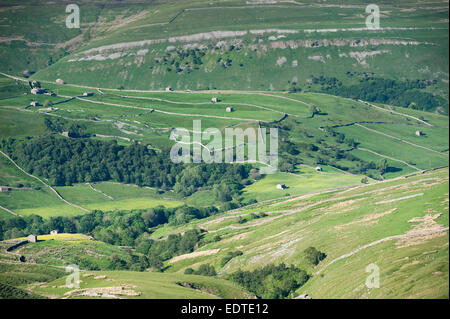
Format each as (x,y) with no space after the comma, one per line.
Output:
(214,100)
(318,169)
(54,232)
(419,133)
(229,109)
(32,238)
(88,94)
(37,91)
(281,186)
(4,189)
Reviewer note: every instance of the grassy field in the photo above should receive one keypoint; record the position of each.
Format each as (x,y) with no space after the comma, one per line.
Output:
(423,159)
(16,123)
(306,180)
(268,61)
(58,237)
(433,137)
(421,269)
(150,285)
(45,203)
(136,123)
(11,176)
(141,71)
(338,223)
(41,202)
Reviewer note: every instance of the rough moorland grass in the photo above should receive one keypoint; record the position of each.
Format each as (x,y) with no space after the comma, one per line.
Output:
(155,285)
(348,220)
(418,271)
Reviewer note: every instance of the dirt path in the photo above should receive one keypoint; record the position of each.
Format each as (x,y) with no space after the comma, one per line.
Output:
(45,184)
(415,234)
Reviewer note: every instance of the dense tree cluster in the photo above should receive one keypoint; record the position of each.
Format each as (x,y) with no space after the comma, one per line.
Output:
(203,270)
(230,255)
(271,281)
(119,228)
(314,256)
(181,60)
(175,244)
(66,161)
(402,93)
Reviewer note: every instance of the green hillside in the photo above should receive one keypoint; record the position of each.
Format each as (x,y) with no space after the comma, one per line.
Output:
(353,184)
(399,225)
(340,223)
(199,45)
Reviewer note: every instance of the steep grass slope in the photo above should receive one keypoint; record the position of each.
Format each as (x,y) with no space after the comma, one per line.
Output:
(200,45)
(399,225)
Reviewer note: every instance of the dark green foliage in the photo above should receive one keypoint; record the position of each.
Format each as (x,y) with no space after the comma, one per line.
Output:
(13,275)
(161,250)
(314,256)
(10,292)
(271,281)
(230,256)
(65,161)
(205,270)
(380,90)
(188,271)
(118,228)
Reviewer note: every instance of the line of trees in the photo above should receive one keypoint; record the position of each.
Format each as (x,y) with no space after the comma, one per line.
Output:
(122,228)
